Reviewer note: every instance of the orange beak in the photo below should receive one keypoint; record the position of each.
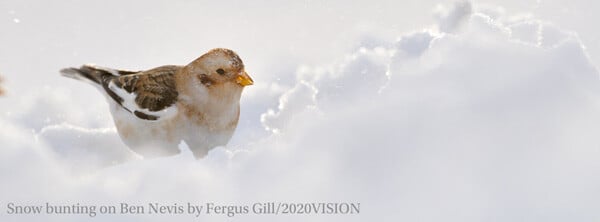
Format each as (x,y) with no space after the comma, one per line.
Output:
(244,79)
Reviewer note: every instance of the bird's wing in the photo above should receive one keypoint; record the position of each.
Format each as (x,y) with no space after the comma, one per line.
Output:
(149,95)
(114,72)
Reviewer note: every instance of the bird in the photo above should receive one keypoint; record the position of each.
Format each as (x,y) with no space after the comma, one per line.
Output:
(156,109)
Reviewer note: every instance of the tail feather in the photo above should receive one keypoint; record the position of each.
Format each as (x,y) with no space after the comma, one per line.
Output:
(85,73)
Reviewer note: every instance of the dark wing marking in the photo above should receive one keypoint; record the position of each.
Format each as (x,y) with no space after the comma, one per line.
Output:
(126,72)
(151,91)
(106,80)
(114,72)
(142,115)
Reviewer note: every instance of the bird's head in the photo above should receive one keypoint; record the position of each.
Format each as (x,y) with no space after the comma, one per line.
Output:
(220,66)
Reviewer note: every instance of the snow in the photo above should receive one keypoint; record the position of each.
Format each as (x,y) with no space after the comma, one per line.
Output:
(485,116)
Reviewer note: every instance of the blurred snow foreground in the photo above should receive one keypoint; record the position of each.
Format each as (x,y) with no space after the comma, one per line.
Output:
(490,117)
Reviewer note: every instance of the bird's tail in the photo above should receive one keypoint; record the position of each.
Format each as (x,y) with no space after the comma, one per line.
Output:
(86,73)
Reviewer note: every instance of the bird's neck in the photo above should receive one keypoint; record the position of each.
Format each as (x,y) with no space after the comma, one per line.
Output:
(223,98)
(214,100)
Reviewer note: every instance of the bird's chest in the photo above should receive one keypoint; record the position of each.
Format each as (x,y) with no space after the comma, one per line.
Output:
(210,119)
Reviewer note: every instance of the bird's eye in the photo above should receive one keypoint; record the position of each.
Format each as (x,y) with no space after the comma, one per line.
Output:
(220,71)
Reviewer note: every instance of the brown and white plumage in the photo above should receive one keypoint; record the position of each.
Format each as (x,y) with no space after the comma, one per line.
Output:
(155,109)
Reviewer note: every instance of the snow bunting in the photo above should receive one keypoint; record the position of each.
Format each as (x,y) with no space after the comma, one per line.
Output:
(156,109)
